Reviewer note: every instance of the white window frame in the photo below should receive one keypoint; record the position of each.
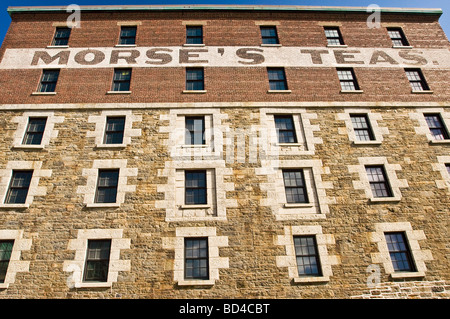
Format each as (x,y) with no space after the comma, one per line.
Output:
(77,266)
(33,190)
(215,261)
(423,128)
(289,260)
(440,166)
(15,263)
(49,132)
(91,174)
(419,255)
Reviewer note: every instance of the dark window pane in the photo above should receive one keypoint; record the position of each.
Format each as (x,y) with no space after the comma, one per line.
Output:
(306,255)
(399,251)
(277,79)
(285,129)
(97,260)
(114,130)
(397,37)
(35,131)
(333,36)
(48,80)
(269,35)
(194,79)
(196,258)
(107,186)
(122,79)
(18,189)
(194,35)
(5,255)
(195,187)
(128,35)
(417,80)
(61,36)
(347,79)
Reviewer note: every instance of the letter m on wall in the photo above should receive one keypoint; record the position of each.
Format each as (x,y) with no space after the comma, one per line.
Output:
(62,57)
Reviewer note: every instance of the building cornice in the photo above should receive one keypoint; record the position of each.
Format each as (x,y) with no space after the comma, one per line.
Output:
(281,8)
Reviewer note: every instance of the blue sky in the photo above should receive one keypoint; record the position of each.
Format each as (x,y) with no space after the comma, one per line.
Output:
(443,4)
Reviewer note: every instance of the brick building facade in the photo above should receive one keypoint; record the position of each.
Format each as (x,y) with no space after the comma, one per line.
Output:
(224,152)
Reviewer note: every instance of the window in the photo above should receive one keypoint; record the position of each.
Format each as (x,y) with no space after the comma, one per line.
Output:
(122,79)
(5,255)
(295,187)
(127,35)
(436,126)
(334,36)
(348,79)
(398,37)
(378,181)
(196,258)
(18,188)
(97,260)
(417,80)
(277,79)
(194,35)
(195,187)
(399,252)
(34,131)
(194,79)
(284,125)
(61,36)
(114,130)
(448,168)
(195,130)
(307,257)
(269,35)
(48,80)
(362,128)
(107,186)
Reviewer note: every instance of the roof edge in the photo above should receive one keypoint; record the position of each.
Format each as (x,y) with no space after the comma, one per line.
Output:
(93,8)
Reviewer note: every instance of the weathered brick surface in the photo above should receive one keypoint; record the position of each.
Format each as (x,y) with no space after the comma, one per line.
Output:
(53,220)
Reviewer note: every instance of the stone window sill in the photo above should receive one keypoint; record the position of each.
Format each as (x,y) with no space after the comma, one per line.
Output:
(402,47)
(304,205)
(28,147)
(289,144)
(206,206)
(4,286)
(118,92)
(43,93)
(279,91)
(93,285)
(102,205)
(368,143)
(195,146)
(422,92)
(447,141)
(194,91)
(57,46)
(352,91)
(111,146)
(125,45)
(15,206)
(308,280)
(194,45)
(337,46)
(385,200)
(401,275)
(271,45)
(196,283)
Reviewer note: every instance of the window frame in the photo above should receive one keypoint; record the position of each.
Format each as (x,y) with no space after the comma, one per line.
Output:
(315,255)
(269,38)
(45,84)
(279,130)
(419,78)
(190,135)
(191,39)
(11,187)
(385,182)
(200,258)
(406,251)
(331,38)
(368,129)
(343,81)
(273,83)
(125,38)
(302,187)
(65,39)
(201,188)
(28,132)
(89,261)
(4,263)
(193,82)
(402,38)
(116,83)
(100,188)
(110,132)
(442,128)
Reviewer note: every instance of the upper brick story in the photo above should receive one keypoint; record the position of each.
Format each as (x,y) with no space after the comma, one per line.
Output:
(235,64)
